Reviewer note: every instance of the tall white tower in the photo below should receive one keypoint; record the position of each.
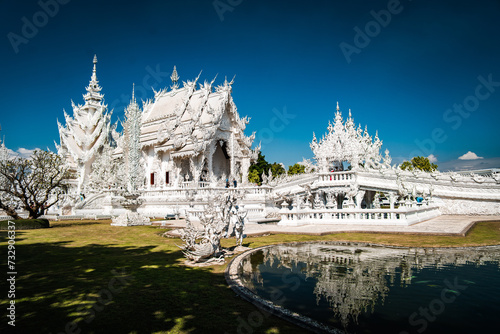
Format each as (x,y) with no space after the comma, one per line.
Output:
(85,134)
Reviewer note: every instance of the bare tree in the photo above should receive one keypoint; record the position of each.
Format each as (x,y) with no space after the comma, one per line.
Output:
(33,184)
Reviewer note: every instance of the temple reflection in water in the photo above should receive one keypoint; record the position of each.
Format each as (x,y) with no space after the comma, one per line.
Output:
(354,278)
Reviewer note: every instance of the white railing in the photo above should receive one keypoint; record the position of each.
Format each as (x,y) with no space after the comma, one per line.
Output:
(192,184)
(203,190)
(402,216)
(336,176)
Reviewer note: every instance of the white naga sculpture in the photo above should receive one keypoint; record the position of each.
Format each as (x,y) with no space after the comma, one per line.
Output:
(221,218)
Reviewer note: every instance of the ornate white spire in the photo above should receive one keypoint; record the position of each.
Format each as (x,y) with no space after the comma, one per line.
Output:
(94,75)
(338,108)
(4,153)
(93,95)
(87,132)
(343,142)
(133,93)
(175,79)
(132,148)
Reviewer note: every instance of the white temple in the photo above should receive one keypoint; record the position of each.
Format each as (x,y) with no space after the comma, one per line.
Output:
(189,134)
(187,144)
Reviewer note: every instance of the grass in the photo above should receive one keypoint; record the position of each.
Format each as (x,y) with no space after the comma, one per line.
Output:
(92,277)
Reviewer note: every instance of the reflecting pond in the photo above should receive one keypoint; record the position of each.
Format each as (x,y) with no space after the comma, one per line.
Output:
(374,289)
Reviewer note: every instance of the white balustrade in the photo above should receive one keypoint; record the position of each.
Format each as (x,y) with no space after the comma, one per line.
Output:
(402,216)
(336,177)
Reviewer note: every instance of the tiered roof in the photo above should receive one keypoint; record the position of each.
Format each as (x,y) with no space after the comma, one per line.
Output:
(89,128)
(183,121)
(346,142)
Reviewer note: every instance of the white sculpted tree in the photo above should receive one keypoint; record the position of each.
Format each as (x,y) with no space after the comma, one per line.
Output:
(107,172)
(33,184)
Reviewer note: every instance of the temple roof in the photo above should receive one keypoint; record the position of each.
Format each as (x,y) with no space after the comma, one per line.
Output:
(346,142)
(89,128)
(185,120)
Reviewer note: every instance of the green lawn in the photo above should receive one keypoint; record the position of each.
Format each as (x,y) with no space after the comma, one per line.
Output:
(90,277)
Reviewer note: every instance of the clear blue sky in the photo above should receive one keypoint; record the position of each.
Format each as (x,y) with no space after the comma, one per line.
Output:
(402,78)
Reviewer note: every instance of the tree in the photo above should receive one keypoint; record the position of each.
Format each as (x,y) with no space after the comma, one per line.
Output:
(262,166)
(259,167)
(254,177)
(277,169)
(33,184)
(296,169)
(420,163)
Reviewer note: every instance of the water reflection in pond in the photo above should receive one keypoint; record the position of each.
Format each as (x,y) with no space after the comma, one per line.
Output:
(374,289)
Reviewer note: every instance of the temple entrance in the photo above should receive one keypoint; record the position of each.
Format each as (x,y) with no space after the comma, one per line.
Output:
(185,174)
(221,162)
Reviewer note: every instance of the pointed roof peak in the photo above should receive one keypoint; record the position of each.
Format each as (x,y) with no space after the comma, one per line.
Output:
(175,79)
(94,75)
(338,108)
(93,89)
(133,91)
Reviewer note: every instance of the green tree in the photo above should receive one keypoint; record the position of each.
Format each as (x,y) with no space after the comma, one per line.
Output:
(277,169)
(33,184)
(420,163)
(296,169)
(259,167)
(254,177)
(262,166)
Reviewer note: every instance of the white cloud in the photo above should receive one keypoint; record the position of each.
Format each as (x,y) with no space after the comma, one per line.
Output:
(432,158)
(21,152)
(469,156)
(12,154)
(463,165)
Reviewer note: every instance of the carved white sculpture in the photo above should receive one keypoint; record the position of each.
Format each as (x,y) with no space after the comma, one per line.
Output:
(87,132)
(204,245)
(345,143)
(132,149)
(131,217)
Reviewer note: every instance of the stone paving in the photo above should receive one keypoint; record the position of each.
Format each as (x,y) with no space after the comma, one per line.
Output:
(442,225)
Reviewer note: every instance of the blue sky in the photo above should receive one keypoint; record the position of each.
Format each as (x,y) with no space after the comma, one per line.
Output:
(405,75)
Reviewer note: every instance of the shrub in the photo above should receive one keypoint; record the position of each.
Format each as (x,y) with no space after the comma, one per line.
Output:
(25,224)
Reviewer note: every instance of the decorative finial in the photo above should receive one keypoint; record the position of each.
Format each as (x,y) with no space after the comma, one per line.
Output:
(94,76)
(338,106)
(175,79)
(133,92)
(350,113)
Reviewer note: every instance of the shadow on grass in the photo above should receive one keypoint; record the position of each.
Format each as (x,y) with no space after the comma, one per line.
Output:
(107,289)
